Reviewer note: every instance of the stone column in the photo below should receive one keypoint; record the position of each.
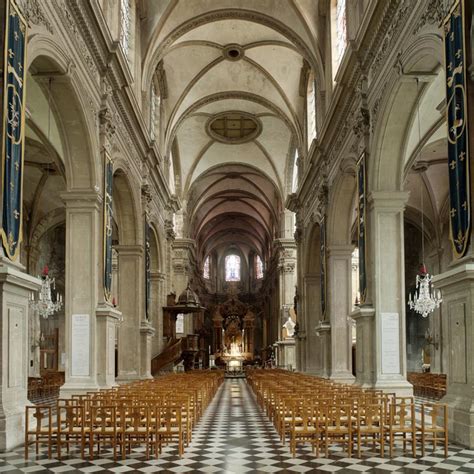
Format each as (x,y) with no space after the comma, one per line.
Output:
(83,243)
(157,303)
(314,353)
(15,290)
(340,307)
(381,332)
(131,304)
(182,250)
(457,310)
(108,318)
(146,334)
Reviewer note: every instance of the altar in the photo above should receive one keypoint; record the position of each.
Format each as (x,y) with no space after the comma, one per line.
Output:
(234,359)
(233,338)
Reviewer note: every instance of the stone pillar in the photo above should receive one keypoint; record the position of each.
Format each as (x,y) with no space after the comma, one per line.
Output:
(314,354)
(146,334)
(157,303)
(182,251)
(340,307)
(457,309)
(15,290)
(131,304)
(381,333)
(107,319)
(83,243)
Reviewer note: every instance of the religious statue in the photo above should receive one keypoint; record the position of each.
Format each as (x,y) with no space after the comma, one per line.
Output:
(290,326)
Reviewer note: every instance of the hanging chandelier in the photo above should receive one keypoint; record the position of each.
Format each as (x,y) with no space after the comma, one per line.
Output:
(424,301)
(45,305)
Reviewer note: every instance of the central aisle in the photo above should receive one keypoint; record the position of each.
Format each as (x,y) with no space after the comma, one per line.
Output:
(235,436)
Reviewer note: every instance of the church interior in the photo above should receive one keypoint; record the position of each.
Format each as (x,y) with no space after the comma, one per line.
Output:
(236,236)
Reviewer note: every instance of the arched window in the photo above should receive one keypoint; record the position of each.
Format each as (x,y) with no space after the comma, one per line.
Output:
(206,271)
(294,182)
(311,109)
(340,36)
(171,178)
(258,267)
(232,268)
(125,25)
(155,105)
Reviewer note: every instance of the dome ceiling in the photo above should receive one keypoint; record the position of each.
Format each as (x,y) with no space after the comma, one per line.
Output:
(233,114)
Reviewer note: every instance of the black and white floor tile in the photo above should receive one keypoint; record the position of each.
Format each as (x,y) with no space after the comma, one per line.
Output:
(234,436)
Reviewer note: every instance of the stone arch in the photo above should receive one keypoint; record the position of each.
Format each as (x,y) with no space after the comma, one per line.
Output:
(71,109)
(156,52)
(386,163)
(126,209)
(341,208)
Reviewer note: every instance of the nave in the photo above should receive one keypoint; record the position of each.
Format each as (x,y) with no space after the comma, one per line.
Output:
(235,436)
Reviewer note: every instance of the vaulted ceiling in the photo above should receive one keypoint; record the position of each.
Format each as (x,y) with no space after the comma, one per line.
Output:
(234,114)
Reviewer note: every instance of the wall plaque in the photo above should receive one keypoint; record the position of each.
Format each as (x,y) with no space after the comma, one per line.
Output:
(80,345)
(390,343)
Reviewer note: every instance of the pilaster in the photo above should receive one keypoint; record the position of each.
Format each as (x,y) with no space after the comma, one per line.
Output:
(340,307)
(15,289)
(457,313)
(381,346)
(83,241)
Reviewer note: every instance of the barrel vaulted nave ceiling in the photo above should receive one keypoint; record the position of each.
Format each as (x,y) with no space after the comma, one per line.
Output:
(234,108)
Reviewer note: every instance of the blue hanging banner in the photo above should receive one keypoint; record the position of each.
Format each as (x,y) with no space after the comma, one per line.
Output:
(147,269)
(361,227)
(457,119)
(108,219)
(13,137)
(323,263)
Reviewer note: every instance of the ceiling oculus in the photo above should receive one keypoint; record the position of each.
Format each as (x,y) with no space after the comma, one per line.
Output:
(234,127)
(233,52)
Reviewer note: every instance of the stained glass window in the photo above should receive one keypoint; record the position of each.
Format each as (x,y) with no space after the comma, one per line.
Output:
(125,22)
(206,270)
(232,268)
(341,30)
(258,267)
(311,109)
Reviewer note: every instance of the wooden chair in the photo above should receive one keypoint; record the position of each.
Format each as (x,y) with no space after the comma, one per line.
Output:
(72,428)
(431,429)
(136,429)
(338,427)
(42,431)
(104,427)
(169,427)
(305,426)
(370,426)
(402,422)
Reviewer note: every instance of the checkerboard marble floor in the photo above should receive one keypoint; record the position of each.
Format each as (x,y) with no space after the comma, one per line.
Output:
(234,436)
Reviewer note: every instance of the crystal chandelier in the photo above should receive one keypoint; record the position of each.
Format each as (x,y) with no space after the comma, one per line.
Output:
(424,300)
(44,304)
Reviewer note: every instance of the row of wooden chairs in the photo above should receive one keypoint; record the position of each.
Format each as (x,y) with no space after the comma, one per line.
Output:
(151,413)
(428,384)
(307,409)
(45,387)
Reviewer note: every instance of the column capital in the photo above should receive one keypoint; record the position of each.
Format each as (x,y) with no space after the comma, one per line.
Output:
(129,250)
(363,312)
(340,250)
(89,198)
(390,200)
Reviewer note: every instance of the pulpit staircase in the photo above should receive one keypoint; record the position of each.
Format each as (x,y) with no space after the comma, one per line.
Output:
(177,350)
